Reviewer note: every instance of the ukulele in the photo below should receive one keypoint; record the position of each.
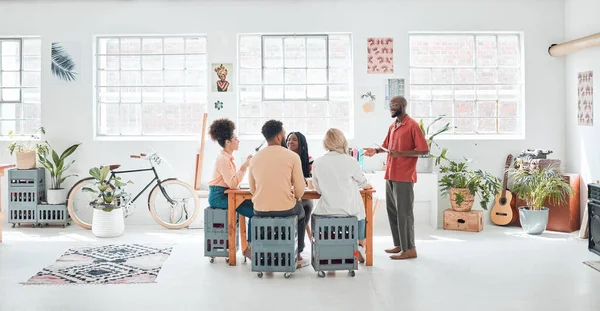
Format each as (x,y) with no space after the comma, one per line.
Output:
(502,212)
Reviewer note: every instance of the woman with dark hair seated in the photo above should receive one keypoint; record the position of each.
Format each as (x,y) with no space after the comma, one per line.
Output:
(296,142)
(225,175)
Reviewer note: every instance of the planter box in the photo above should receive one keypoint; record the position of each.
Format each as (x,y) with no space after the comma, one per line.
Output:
(471,221)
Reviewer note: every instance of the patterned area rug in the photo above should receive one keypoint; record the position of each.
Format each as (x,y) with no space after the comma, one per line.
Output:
(593,264)
(109,264)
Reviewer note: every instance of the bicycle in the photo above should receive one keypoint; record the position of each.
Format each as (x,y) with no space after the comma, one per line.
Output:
(180,211)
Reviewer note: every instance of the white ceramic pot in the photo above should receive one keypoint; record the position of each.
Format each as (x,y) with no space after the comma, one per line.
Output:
(56,196)
(108,224)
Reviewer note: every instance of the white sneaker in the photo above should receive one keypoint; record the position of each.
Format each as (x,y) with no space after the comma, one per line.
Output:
(361,254)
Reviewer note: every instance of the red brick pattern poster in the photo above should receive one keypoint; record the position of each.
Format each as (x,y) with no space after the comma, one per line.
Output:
(585,92)
(380,53)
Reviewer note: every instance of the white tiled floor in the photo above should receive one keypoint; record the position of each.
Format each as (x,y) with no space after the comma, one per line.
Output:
(496,269)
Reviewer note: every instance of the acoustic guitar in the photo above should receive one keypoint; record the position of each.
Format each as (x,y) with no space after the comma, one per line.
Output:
(502,212)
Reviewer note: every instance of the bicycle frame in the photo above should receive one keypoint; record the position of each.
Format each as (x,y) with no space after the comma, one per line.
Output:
(155,179)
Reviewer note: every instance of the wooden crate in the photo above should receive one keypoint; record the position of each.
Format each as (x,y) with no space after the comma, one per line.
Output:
(463,221)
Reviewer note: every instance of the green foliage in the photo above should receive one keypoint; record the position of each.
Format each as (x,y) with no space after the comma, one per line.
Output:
(479,182)
(108,190)
(20,145)
(63,66)
(538,186)
(56,164)
(430,137)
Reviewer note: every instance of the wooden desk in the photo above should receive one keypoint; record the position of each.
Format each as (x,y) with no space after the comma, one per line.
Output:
(237,196)
(2,168)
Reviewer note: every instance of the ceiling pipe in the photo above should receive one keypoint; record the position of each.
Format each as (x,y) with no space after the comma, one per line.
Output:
(574,45)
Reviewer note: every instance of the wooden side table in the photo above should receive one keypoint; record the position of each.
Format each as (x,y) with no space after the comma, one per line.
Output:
(2,168)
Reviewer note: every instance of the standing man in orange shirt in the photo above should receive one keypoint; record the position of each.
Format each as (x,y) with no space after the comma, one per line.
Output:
(405,142)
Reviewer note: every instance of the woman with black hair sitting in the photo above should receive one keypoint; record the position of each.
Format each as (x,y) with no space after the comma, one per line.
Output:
(296,142)
(225,175)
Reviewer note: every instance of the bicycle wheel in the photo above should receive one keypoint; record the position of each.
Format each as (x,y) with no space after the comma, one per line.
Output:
(184,209)
(78,203)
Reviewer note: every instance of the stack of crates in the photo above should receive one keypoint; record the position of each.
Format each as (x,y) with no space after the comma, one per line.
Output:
(334,244)
(274,245)
(26,189)
(216,239)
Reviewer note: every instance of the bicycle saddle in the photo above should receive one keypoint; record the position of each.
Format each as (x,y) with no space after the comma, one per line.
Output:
(112,166)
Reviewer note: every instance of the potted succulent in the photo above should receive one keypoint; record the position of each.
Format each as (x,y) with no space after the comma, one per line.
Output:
(369,103)
(463,184)
(26,150)
(538,187)
(55,164)
(425,163)
(108,219)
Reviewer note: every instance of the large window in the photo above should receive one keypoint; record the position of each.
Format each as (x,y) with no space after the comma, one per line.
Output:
(20,76)
(475,80)
(303,80)
(150,86)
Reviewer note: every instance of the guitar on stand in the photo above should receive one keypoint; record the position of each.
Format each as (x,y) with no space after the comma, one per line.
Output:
(502,213)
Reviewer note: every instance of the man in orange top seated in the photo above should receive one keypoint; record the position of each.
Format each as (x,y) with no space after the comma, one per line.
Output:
(273,172)
(405,142)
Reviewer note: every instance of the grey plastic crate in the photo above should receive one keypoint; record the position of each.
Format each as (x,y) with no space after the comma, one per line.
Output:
(26,178)
(274,245)
(334,230)
(274,230)
(334,244)
(53,214)
(216,239)
(22,215)
(26,188)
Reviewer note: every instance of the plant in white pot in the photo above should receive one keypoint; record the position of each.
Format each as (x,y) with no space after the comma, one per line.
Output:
(108,219)
(55,164)
(538,187)
(425,163)
(26,149)
(462,184)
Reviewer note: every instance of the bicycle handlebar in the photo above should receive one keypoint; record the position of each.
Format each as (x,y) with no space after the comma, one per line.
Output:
(141,155)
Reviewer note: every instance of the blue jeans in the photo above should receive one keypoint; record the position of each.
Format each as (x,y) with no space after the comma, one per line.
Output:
(217,198)
(362,231)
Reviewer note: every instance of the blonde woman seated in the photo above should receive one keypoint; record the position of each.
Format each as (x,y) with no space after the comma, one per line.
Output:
(337,178)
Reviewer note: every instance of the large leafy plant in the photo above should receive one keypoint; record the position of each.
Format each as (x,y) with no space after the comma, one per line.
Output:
(430,134)
(481,183)
(538,186)
(108,190)
(32,144)
(55,164)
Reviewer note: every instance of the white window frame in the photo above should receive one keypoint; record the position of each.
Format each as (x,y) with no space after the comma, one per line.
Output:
(152,137)
(520,135)
(21,136)
(349,134)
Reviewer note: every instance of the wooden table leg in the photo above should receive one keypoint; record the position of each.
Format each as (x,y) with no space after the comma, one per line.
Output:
(1,212)
(243,236)
(231,223)
(368,199)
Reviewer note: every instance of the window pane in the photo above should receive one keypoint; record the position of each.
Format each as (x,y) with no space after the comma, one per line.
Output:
(509,126)
(464,109)
(32,78)
(11,63)
(294,109)
(508,50)
(295,52)
(152,78)
(195,45)
(196,62)
(31,95)
(509,75)
(487,125)
(174,62)
(487,76)
(419,109)
(295,76)
(486,109)
(464,76)
(174,46)
(340,75)
(318,109)
(316,91)
(441,108)
(339,109)
(250,93)
(273,49)
(464,126)
(110,62)
(317,126)
(153,94)
(131,94)
(295,92)
(130,46)
(175,77)
(314,76)
(152,62)
(420,92)
(32,47)
(108,95)
(11,48)
(273,92)
(11,79)
(250,109)
(316,52)
(152,45)
(420,76)
(130,78)
(464,92)
(508,108)
(272,109)
(108,120)
(250,76)
(441,75)
(442,92)
(487,52)
(273,76)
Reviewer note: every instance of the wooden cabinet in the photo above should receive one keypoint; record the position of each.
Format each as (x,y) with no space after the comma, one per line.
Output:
(563,217)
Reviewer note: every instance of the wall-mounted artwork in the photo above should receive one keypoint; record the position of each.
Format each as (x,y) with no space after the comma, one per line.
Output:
(221,81)
(369,104)
(380,53)
(218,105)
(585,92)
(65,61)
(393,87)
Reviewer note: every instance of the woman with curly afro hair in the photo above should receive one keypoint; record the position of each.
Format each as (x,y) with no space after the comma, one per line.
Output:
(225,175)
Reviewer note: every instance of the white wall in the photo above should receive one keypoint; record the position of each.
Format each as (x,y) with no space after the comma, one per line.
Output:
(582,141)
(67,109)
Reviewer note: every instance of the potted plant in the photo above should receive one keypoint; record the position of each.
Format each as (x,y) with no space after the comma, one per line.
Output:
(538,187)
(55,164)
(463,184)
(26,149)
(425,163)
(369,104)
(108,219)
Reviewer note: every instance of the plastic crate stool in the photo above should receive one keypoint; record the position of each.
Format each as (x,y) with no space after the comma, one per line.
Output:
(26,190)
(334,244)
(274,245)
(216,240)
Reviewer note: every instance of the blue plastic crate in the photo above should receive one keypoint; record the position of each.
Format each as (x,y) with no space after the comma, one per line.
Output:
(26,188)
(274,244)
(334,244)
(22,215)
(53,214)
(216,239)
